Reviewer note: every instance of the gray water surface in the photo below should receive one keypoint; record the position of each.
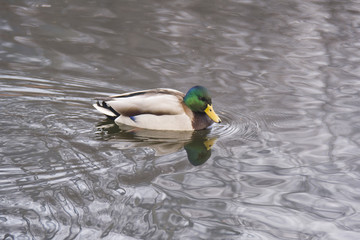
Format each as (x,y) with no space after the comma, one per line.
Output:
(284,163)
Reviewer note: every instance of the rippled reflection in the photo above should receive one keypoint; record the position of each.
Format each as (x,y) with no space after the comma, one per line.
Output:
(197,144)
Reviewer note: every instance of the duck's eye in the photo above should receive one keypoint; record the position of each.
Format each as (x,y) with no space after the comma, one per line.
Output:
(202,99)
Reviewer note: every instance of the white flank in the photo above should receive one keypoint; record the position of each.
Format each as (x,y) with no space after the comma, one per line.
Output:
(180,122)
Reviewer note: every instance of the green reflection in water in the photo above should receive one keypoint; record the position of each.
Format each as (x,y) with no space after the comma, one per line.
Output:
(197,144)
(199,149)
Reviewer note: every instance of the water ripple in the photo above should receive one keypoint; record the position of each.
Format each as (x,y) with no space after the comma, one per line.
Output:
(244,127)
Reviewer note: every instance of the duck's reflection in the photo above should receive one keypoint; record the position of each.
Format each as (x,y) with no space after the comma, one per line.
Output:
(199,149)
(197,144)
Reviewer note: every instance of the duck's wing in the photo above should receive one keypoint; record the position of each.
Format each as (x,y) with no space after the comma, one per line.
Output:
(159,101)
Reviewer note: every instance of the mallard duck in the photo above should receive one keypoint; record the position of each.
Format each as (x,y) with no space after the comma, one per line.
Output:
(161,109)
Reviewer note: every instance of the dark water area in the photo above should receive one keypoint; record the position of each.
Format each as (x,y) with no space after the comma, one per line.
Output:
(283,164)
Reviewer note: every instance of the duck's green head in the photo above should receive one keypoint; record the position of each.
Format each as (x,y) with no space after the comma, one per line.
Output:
(198,100)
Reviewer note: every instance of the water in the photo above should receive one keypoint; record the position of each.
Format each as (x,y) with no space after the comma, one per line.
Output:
(284,164)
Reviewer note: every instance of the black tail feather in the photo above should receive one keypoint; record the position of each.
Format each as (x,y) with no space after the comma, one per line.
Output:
(105,105)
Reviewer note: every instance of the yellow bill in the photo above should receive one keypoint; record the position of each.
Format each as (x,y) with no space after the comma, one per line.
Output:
(212,115)
(209,143)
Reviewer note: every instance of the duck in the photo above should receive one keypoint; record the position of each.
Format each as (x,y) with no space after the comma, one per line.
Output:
(161,109)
